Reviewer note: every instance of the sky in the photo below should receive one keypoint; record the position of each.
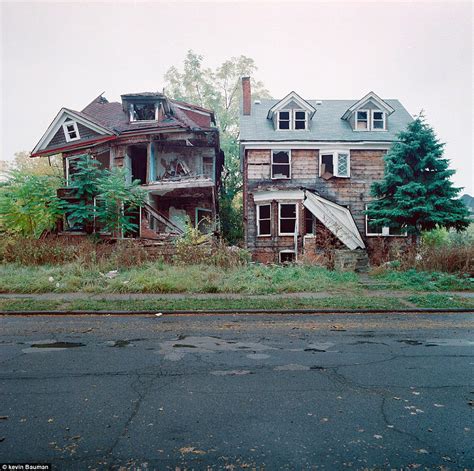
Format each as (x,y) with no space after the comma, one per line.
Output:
(56,54)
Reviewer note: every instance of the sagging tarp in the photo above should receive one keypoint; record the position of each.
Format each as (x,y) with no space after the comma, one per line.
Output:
(336,218)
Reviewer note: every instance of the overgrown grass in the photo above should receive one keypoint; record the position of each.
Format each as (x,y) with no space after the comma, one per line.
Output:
(441,301)
(163,278)
(414,280)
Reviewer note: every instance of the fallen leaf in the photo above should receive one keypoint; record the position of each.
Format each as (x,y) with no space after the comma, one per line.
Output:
(158,314)
(438,405)
(76,437)
(422,451)
(415,393)
(50,420)
(191,449)
(378,437)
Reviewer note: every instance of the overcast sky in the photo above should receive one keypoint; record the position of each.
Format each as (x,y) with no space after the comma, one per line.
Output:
(65,54)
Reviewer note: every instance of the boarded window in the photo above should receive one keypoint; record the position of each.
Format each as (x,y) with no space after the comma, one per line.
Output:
(287,221)
(284,120)
(300,119)
(264,219)
(281,164)
(362,122)
(208,167)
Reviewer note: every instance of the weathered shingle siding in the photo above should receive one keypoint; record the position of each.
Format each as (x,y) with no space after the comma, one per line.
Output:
(367,166)
(59,138)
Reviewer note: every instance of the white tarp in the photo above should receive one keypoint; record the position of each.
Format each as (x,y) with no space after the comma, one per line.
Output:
(336,218)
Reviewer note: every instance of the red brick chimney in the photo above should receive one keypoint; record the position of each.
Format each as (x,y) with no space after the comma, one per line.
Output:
(246,96)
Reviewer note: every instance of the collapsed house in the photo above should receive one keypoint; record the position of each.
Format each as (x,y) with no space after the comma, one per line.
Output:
(170,146)
(308,166)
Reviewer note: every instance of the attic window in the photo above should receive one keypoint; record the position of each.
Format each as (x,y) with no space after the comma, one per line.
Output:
(71,132)
(300,119)
(143,112)
(378,120)
(284,119)
(362,121)
(334,164)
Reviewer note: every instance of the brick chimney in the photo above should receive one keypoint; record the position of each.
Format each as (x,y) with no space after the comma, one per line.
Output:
(246,96)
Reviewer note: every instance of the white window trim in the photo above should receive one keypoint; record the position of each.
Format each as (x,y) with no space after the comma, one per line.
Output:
(66,132)
(68,163)
(289,120)
(369,114)
(132,117)
(292,119)
(275,151)
(258,219)
(335,159)
(285,251)
(384,119)
(296,220)
(385,230)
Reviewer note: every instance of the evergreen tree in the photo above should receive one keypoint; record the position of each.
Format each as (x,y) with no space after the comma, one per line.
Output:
(416,191)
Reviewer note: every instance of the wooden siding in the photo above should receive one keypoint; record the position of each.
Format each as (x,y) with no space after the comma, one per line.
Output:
(59,139)
(367,166)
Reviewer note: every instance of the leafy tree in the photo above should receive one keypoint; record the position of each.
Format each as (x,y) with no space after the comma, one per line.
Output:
(38,165)
(29,204)
(221,91)
(416,191)
(116,198)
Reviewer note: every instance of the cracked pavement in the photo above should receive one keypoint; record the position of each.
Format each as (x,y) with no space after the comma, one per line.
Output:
(375,391)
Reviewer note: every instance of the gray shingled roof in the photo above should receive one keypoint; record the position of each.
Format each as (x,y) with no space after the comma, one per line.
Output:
(326,124)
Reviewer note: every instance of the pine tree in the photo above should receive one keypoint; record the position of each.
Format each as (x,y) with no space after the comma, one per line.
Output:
(416,191)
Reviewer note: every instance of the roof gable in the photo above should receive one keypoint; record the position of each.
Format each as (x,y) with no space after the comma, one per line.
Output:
(70,115)
(370,97)
(292,97)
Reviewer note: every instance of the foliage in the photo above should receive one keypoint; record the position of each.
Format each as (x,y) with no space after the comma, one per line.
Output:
(416,191)
(195,248)
(28,204)
(112,193)
(26,164)
(220,90)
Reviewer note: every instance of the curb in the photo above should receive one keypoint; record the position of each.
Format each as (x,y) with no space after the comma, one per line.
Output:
(236,311)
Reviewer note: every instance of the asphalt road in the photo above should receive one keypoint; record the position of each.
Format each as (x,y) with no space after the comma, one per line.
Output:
(238,392)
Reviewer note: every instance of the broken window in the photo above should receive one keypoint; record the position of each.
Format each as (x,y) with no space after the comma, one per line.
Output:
(334,164)
(300,120)
(378,120)
(284,120)
(264,219)
(208,167)
(287,219)
(287,256)
(71,132)
(362,120)
(281,166)
(143,112)
(204,220)
(138,161)
(309,222)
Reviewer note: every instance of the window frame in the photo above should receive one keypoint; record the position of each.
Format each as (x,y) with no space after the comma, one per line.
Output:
(369,114)
(66,132)
(289,119)
(275,151)
(294,119)
(295,232)
(335,161)
(197,220)
(384,121)
(258,219)
(132,111)
(286,251)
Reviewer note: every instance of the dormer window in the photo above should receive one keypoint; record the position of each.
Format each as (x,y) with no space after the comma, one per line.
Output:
(143,112)
(300,119)
(71,132)
(284,120)
(378,120)
(294,120)
(362,120)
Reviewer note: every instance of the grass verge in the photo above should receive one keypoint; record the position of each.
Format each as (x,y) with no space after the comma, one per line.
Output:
(330,302)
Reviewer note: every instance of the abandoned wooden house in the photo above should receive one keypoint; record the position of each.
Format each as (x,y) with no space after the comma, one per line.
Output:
(172,147)
(308,166)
